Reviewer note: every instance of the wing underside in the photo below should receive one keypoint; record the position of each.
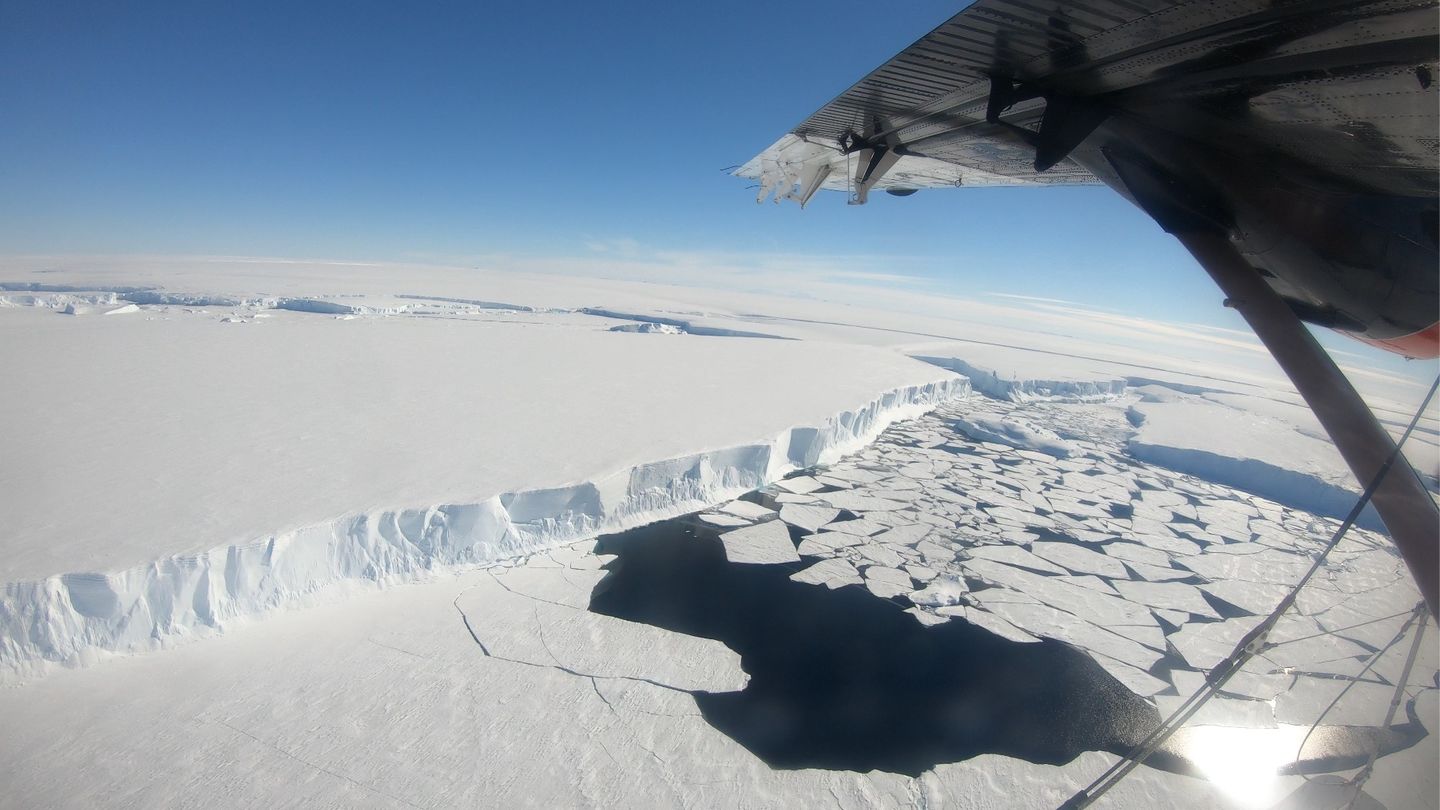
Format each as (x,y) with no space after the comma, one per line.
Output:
(1006,91)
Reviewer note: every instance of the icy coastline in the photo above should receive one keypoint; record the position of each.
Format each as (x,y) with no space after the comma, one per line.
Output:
(990,384)
(72,619)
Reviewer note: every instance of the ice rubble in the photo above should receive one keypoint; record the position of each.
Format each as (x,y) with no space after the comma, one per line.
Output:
(1156,575)
(72,618)
(1014,434)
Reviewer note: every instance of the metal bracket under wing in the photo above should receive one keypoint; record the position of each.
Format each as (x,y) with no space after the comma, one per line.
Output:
(1067,122)
(874,157)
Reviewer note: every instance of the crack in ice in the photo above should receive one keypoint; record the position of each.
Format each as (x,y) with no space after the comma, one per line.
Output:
(320,768)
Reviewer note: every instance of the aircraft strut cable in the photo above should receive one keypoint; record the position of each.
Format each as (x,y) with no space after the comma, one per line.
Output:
(1359,779)
(849,192)
(1421,614)
(1340,630)
(806,140)
(1252,644)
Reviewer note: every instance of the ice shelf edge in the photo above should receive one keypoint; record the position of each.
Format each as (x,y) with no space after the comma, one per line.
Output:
(75,619)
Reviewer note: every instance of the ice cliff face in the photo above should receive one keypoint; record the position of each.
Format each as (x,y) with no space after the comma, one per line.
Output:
(71,619)
(1247,451)
(991,385)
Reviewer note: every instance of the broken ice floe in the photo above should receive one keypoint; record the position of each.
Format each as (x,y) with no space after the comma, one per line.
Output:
(1155,575)
(832,573)
(808,518)
(763,543)
(1014,434)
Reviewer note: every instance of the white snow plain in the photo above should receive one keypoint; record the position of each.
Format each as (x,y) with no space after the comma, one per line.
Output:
(185,472)
(247,436)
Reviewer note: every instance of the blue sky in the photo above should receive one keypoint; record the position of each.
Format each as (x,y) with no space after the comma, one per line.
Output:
(454,130)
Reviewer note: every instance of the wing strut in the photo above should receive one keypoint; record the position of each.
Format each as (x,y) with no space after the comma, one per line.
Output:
(1407,509)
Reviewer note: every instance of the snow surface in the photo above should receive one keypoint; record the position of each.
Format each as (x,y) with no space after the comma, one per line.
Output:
(256,435)
(387,700)
(157,523)
(1247,450)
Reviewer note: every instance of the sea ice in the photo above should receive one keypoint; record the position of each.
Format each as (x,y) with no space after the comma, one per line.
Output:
(832,573)
(1166,596)
(941,592)
(1011,433)
(723,520)
(1222,711)
(1014,555)
(1079,559)
(1206,644)
(826,544)
(886,582)
(809,518)
(1249,451)
(863,527)
(1088,604)
(799,485)
(880,555)
(481,686)
(904,534)
(747,510)
(763,543)
(1157,573)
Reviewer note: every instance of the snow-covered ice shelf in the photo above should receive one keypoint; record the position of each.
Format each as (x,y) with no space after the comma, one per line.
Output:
(168,472)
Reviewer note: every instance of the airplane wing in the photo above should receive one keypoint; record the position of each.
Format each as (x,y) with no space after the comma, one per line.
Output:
(973,101)
(1307,130)
(1290,145)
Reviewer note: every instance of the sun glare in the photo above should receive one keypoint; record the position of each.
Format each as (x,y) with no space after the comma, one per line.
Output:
(1244,762)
